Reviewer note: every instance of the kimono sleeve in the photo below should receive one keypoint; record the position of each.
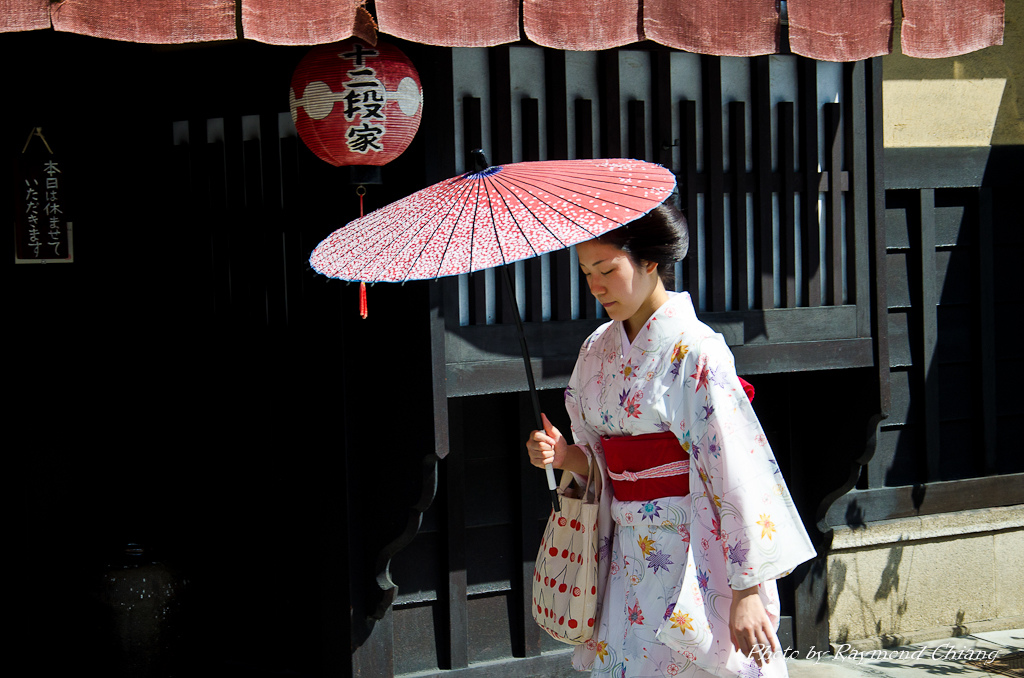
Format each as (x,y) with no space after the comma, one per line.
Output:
(582,433)
(760,531)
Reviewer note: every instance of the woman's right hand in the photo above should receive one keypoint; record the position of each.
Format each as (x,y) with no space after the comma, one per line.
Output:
(547,446)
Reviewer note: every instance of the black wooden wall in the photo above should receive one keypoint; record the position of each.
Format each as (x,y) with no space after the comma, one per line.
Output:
(953,237)
(187,383)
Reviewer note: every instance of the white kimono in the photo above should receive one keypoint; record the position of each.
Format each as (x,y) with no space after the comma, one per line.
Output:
(668,565)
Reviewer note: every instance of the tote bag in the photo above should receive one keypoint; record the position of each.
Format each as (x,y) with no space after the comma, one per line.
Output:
(565,575)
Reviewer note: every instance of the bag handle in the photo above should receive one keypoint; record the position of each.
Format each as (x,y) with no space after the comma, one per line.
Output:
(569,476)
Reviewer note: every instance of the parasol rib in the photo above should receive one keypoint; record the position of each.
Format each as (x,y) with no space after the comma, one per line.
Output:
(472,228)
(456,200)
(537,218)
(553,209)
(526,238)
(447,208)
(654,202)
(497,233)
(366,243)
(462,208)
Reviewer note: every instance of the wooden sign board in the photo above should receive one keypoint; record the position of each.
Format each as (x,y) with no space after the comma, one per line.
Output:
(42,229)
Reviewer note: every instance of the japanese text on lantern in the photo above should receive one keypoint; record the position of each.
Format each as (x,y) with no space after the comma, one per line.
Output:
(364,98)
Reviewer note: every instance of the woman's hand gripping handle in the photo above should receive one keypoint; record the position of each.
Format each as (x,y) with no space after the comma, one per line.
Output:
(549,450)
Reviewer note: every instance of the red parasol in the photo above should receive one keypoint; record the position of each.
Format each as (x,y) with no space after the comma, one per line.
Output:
(493,217)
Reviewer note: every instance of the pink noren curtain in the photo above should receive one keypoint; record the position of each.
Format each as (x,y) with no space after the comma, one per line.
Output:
(828,30)
(721,27)
(450,23)
(24,15)
(152,21)
(937,28)
(582,25)
(305,22)
(840,31)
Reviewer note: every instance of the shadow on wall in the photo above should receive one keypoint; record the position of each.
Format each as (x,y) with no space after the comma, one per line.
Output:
(841,581)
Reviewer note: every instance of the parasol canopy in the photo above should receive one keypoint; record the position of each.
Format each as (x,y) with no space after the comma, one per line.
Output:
(492,217)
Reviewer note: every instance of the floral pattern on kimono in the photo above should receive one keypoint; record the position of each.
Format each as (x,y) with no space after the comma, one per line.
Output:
(668,565)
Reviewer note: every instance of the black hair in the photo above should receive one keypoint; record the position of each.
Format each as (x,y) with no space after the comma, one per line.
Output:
(660,236)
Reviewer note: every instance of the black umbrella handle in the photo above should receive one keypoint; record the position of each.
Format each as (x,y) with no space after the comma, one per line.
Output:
(534,398)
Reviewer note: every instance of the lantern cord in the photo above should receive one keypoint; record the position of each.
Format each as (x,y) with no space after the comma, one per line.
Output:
(363,312)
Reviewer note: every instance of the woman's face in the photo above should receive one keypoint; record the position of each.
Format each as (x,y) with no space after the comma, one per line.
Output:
(627,291)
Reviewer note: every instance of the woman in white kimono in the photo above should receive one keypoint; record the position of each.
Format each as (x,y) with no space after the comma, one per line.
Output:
(696,521)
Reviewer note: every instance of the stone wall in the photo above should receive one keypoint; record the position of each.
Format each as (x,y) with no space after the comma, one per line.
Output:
(914,579)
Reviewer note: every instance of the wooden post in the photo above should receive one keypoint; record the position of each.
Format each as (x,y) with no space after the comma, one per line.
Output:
(738,202)
(714,196)
(455,540)
(928,376)
(809,188)
(986,328)
(764,252)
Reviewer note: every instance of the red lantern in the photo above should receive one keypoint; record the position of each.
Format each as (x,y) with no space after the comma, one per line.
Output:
(356,104)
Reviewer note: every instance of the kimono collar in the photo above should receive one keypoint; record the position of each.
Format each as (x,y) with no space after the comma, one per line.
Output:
(678,309)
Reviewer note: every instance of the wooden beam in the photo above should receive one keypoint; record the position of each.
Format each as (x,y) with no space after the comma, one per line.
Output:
(834,206)
(661,107)
(804,356)
(584,150)
(859,507)
(927,306)
(583,109)
(858,218)
(986,318)
(472,137)
(773,327)
(375,656)
(556,113)
(810,593)
(529,117)
(764,243)
(608,93)
(910,168)
(688,194)
(500,68)
(714,198)
(472,128)
(879,300)
(636,125)
(529,539)
(454,475)
(738,203)
(787,200)
(807,77)
(507,374)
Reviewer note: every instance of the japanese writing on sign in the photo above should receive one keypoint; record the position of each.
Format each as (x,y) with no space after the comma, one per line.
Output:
(364,98)
(42,232)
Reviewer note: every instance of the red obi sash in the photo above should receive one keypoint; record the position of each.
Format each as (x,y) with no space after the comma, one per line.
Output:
(647,466)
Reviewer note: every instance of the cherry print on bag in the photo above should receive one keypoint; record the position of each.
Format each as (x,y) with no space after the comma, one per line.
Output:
(568,588)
